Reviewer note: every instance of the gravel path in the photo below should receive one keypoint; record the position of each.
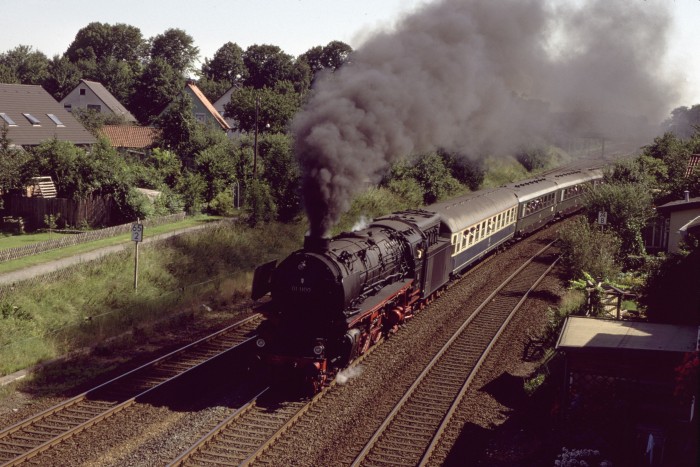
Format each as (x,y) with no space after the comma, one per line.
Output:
(51,266)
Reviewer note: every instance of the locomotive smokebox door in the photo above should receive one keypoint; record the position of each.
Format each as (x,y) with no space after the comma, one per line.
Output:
(261,279)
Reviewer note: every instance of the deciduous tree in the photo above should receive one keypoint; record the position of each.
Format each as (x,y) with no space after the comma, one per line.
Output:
(177,49)
(25,65)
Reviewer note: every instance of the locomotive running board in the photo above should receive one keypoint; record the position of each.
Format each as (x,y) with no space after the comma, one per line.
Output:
(261,279)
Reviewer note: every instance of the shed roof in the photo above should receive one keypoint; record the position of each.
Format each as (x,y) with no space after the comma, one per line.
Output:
(131,136)
(19,100)
(589,333)
(680,205)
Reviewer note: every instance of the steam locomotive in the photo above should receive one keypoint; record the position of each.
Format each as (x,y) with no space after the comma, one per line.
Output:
(335,298)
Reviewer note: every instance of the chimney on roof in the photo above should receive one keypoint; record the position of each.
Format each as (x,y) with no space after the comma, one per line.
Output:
(687,196)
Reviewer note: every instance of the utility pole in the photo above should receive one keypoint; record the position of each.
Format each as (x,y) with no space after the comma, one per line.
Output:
(255,141)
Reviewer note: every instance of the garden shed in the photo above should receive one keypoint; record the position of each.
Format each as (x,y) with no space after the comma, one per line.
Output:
(627,373)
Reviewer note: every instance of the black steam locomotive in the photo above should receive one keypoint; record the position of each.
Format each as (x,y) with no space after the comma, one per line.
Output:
(334,298)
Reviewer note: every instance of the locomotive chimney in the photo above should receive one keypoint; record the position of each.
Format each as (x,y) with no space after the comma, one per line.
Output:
(316,244)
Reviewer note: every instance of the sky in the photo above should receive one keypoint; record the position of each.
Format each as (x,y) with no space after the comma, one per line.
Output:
(294,25)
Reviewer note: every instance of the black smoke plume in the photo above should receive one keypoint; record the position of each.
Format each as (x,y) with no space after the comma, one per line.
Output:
(477,77)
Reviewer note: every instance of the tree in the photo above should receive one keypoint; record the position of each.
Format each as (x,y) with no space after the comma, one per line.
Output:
(275,108)
(217,167)
(330,57)
(467,171)
(155,89)
(226,65)
(628,207)
(116,76)
(587,249)
(260,204)
(532,158)
(335,54)
(674,154)
(282,174)
(24,65)
(98,42)
(267,65)
(63,77)
(177,49)
(684,121)
(12,161)
(432,174)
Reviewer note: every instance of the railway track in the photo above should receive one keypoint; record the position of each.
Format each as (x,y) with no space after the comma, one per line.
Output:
(413,429)
(30,437)
(245,435)
(249,435)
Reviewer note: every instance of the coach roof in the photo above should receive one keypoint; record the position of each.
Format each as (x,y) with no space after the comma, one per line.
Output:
(466,210)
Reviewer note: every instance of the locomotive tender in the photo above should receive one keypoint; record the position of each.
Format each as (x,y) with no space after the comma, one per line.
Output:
(334,298)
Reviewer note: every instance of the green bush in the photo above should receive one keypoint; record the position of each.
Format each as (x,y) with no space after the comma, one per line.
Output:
(222,205)
(585,248)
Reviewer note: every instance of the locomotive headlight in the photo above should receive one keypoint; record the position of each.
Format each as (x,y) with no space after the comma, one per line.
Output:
(260,343)
(318,349)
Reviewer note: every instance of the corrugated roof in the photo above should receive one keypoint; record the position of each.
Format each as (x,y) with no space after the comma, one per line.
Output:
(109,100)
(208,105)
(19,99)
(131,136)
(580,332)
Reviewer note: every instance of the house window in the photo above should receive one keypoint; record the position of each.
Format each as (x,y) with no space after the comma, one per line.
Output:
(32,119)
(95,107)
(68,107)
(82,92)
(55,119)
(200,117)
(7,119)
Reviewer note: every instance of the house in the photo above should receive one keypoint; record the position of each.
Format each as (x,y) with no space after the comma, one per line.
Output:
(131,138)
(32,116)
(220,105)
(203,109)
(94,96)
(681,218)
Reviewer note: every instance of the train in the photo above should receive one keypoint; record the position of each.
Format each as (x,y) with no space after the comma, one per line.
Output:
(333,299)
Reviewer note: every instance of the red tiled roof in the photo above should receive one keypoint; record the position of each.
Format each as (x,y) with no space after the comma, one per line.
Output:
(693,163)
(131,136)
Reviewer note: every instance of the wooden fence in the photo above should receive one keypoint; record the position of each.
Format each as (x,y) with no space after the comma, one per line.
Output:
(93,212)
(65,240)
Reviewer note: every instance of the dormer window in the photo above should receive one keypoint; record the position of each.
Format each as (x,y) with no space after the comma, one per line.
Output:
(55,119)
(32,119)
(82,92)
(7,119)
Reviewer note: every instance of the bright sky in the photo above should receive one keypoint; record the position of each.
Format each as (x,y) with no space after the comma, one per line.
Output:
(294,25)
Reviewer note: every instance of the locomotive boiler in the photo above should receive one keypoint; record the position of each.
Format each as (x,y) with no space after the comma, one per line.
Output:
(334,298)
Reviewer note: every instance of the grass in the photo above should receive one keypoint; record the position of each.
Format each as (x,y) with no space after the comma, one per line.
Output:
(95,301)
(52,255)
